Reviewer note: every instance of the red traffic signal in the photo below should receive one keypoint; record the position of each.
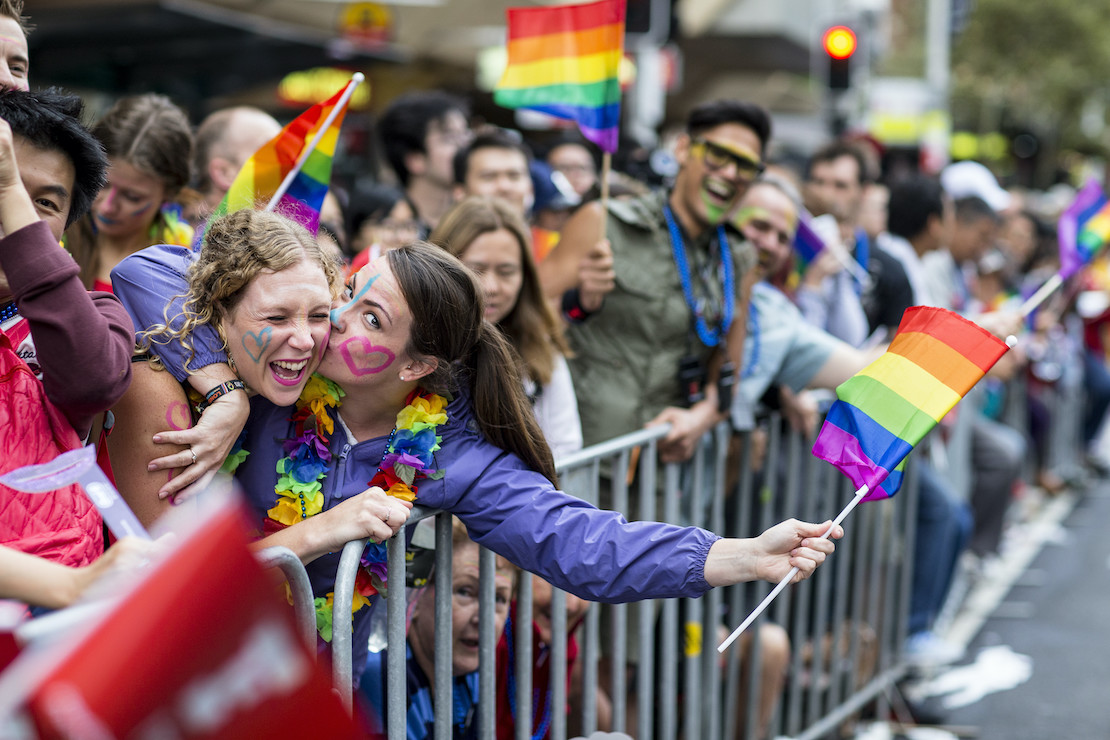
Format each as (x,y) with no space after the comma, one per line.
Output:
(839,42)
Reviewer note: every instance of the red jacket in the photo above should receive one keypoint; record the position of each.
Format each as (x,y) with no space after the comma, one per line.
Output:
(82,342)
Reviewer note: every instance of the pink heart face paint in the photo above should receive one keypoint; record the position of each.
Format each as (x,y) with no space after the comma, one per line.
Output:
(370,326)
(364,358)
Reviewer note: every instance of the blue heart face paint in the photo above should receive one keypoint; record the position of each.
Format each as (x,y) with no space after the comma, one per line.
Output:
(279,330)
(256,344)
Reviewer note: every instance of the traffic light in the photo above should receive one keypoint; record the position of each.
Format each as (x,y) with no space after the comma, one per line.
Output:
(839,43)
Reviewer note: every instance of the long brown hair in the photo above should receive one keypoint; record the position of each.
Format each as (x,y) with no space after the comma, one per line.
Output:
(448,324)
(531,325)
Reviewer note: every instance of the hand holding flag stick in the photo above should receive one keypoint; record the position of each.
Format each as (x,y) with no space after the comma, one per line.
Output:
(790,576)
(887,408)
(817,235)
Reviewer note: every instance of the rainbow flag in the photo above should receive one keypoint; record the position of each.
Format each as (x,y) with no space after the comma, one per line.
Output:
(888,407)
(263,174)
(1083,228)
(563,61)
(807,244)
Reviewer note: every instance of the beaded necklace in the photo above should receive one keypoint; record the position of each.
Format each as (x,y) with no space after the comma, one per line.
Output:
(9,311)
(408,457)
(709,337)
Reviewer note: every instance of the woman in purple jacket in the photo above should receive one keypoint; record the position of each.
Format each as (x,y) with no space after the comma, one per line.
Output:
(377,431)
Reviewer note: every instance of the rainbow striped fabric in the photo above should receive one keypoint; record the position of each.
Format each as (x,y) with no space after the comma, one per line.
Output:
(888,407)
(563,61)
(261,176)
(1083,228)
(807,244)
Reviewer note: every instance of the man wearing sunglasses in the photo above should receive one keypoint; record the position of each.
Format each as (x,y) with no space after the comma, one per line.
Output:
(654,351)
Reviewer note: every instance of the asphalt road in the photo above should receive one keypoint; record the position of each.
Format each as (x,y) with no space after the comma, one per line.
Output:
(1049,635)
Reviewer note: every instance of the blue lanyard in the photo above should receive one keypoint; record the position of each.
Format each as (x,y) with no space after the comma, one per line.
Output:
(709,337)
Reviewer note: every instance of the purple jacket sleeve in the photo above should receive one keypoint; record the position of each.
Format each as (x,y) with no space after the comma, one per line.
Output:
(593,553)
(152,285)
(83,340)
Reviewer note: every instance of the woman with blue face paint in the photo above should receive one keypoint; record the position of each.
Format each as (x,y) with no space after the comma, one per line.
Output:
(265,286)
(149,144)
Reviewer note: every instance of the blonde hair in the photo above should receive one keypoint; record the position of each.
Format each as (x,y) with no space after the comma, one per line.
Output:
(237,248)
(531,325)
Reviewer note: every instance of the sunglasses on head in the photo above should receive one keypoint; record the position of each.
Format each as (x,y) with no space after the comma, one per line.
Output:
(716,157)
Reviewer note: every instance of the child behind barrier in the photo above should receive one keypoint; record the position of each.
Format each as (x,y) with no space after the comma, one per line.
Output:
(420,646)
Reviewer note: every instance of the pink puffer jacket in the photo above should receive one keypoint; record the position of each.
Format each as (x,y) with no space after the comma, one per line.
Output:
(63,525)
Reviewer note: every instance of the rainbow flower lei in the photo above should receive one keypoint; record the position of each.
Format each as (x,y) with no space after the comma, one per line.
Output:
(408,458)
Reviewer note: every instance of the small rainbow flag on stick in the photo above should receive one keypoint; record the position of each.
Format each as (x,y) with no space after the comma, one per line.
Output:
(563,61)
(807,244)
(1083,228)
(883,411)
(292,171)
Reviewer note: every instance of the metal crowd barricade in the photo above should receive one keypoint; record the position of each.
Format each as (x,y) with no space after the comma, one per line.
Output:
(300,589)
(846,625)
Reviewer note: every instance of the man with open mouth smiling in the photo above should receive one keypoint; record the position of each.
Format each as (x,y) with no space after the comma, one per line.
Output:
(675,316)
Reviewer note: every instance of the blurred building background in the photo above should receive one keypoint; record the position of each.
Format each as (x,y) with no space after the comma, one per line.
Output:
(929,80)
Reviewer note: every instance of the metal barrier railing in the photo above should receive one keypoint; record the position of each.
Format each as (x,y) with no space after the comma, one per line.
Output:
(847,624)
(300,589)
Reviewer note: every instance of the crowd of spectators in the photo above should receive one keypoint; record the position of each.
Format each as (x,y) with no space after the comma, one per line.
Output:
(536,318)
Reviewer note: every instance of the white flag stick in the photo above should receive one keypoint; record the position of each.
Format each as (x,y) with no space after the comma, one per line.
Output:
(356,80)
(860,493)
(1042,293)
(848,262)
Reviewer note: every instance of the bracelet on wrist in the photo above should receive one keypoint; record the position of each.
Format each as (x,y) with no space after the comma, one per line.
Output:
(223,389)
(572,307)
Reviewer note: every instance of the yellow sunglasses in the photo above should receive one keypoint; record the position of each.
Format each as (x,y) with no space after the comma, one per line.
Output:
(716,157)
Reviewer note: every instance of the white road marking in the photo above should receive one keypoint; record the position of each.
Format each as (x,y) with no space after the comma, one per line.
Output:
(996,668)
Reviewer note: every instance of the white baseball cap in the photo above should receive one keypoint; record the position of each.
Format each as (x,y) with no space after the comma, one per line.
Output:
(969,178)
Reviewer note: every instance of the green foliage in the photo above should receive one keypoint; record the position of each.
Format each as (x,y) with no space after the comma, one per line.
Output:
(1031,62)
